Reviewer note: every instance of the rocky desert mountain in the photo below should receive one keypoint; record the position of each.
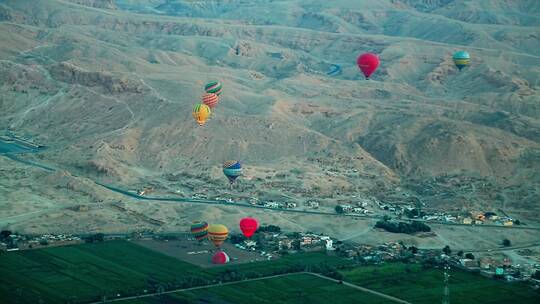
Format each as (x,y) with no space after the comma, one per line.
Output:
(108,87)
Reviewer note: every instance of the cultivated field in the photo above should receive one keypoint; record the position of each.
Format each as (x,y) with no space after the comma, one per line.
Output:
(85,272)
(291,289)
(417,285)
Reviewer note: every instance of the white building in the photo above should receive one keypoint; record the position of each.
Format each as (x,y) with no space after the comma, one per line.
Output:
(250,243)
(329,244)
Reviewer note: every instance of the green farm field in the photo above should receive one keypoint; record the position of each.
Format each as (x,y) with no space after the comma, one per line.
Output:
(84,272)
(290,289)
(424,286)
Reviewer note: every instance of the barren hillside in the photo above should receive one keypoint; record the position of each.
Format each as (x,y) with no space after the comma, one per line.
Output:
(108,86)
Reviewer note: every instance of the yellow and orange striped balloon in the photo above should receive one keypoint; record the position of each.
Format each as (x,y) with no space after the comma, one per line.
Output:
(217,234)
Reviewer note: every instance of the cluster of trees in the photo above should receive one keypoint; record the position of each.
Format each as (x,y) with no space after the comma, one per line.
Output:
(231,275)
(98,237)
(4,238)
(326,270)
(4,235)
(236,238)
(269,228)
(403,227)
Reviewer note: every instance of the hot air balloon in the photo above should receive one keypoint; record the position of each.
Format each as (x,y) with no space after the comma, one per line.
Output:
(199,230)
(210,99)
(232,170)
(461,59)
(201,112)
(217,234)
(220,257)
(248,225)
(368,63)
(213,87)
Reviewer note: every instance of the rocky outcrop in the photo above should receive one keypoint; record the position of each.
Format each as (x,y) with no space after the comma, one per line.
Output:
(67,72)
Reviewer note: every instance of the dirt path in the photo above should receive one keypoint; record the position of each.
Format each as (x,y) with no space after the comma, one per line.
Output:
(388,297)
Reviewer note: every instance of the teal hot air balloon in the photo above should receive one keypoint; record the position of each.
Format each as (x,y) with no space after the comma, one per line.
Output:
(232,170)
(213,87)
(461,59)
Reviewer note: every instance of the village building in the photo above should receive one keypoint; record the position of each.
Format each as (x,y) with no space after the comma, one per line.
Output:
(468,262)
(313,204)
(250,243)
(285,244)
(346,207)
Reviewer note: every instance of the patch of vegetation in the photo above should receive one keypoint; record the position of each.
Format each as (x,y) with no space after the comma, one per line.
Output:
(403,227)
(85,272)
(422,285)
(290,289)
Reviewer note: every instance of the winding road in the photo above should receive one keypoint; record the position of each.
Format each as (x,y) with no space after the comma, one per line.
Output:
(244,205)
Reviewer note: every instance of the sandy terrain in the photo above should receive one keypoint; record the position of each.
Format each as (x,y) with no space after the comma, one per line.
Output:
(109,88)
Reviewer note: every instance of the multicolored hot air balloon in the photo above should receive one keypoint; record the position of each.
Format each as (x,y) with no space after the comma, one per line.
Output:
(461,59)
(217,234)
(210,99)
(232,170)
(213,87)
(201,112)
(368,63)
(220,257)
(248,225)
(199,230)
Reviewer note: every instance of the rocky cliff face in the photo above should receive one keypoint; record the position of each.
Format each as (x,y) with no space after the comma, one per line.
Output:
(69,73)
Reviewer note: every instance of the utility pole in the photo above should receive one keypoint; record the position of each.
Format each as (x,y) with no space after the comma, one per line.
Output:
(446,291)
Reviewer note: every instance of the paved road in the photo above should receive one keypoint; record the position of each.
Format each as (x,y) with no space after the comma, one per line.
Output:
(388,297)
(536,244)
(15,146)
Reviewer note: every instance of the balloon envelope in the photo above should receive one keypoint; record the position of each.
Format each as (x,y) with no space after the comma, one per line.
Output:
(200,113)
(220,257)
(232,170)
(368,63)
(217,234)
(210,99)
(199,230)
(248,225)
(461,59)
(213,87)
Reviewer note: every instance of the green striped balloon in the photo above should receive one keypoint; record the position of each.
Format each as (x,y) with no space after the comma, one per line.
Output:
(213,87)
(199,230)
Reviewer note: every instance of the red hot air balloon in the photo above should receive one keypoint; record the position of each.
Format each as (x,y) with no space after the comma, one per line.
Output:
(220,257)
(248,225)
(368,63)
